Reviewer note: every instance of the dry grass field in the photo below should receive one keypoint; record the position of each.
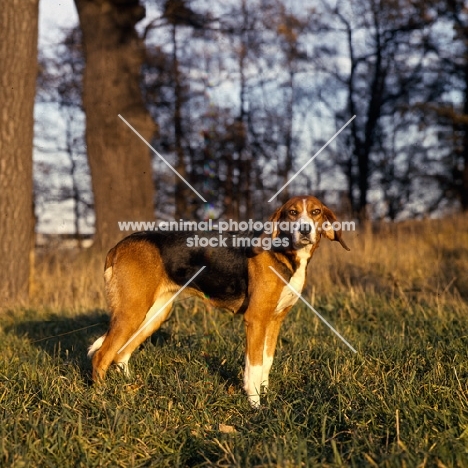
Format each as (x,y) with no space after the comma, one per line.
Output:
(400,297)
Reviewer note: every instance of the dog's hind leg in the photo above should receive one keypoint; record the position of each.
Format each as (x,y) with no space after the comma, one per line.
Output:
(137,288)
(96,345)
(124,323)
(155,317)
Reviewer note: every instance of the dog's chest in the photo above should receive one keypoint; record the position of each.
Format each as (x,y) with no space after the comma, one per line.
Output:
(289,297)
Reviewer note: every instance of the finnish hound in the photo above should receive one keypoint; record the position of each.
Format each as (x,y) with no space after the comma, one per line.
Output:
(145,270)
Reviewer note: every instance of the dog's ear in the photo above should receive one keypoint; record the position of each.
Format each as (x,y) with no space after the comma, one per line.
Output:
(274,218)
(331,233)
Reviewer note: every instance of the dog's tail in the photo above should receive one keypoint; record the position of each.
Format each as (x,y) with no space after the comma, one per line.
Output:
(96,345)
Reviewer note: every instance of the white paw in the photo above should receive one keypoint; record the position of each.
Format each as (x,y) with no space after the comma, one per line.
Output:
(254,401)
(123,367)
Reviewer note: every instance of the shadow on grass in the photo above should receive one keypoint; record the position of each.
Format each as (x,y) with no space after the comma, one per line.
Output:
(64,338)
(214,355)
(228,371)
(68,339)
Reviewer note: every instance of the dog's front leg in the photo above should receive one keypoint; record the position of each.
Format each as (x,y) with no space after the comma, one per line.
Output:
(255,335)
(271,338)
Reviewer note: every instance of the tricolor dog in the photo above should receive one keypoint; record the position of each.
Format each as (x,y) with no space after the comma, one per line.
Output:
(145,270)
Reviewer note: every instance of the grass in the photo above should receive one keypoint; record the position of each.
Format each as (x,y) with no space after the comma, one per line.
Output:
(400,298)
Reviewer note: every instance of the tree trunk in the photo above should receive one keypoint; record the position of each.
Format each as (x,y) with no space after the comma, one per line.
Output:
(463,186)
(119,161)
(18,56)
(183,193)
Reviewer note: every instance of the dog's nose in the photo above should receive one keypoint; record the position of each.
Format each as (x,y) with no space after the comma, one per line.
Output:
(305,229)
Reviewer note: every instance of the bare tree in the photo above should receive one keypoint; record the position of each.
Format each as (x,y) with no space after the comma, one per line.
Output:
(235,44)
(383,71)
(289,32)
(449,116)
(60,88)
(18,56)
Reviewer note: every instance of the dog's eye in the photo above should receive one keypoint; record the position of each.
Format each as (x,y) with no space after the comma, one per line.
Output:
(293,212)
(316,212)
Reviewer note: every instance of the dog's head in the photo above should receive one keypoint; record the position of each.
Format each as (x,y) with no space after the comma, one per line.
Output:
(304,220)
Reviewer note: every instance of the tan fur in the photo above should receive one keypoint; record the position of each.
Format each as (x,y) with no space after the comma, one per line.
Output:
(131,291)
(137,286)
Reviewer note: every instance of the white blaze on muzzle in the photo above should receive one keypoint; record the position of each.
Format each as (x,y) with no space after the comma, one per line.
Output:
(305,231)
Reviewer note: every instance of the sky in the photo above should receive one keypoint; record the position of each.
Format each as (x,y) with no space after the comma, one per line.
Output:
(53,15)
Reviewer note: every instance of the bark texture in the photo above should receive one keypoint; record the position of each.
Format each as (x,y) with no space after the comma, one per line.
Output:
(119,161)
(18,65)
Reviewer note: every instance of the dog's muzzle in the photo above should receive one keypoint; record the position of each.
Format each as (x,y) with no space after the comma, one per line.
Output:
(303,235)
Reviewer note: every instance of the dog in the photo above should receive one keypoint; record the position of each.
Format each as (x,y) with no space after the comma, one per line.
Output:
(145,271)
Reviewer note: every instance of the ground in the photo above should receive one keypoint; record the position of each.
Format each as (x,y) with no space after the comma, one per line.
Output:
(399,299)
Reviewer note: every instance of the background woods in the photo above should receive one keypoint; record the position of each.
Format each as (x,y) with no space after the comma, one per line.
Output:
(238,96)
